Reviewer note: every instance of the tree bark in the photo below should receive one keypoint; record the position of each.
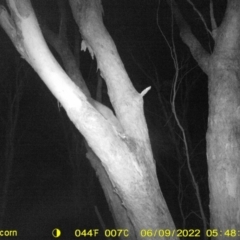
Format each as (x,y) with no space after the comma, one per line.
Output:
(122,142)
(223,135)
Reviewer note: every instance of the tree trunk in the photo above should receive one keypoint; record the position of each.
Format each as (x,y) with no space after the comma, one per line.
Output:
(223,135)
(223,143)
(121,142)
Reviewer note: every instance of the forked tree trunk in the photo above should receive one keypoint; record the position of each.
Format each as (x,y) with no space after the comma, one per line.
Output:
(122,142)
(223,135)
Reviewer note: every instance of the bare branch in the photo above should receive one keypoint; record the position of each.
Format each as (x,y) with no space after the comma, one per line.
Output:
(213,21)
(59,43)
(126,101)
(200,55)
(201,16)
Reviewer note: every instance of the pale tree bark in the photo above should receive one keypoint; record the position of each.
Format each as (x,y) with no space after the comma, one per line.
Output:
(122,142)
(223,138)
(59,43)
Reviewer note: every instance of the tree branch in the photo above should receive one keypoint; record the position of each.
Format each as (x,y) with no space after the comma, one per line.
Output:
(127,103)
(199,54)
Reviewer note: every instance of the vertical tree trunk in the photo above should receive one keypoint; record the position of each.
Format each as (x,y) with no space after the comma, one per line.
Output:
(223,142)
(223,135)
(223,138)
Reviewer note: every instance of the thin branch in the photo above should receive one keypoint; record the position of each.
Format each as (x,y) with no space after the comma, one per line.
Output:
(201,16)
(213,21)
(175,86)
(198,52)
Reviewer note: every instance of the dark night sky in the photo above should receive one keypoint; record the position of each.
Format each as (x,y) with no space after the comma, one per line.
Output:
(42,192)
